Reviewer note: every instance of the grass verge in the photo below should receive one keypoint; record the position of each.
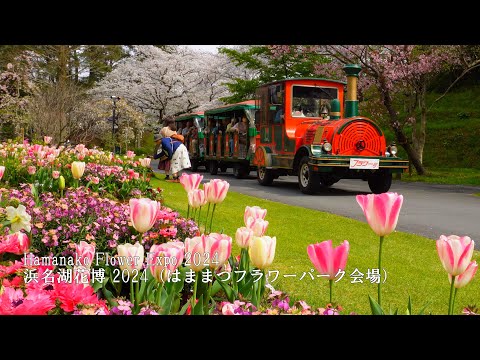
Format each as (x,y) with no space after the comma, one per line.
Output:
(454,176)
(411,261)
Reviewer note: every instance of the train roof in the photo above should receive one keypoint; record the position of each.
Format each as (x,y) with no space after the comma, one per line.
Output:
(248,104)
(305,78)
(189,116)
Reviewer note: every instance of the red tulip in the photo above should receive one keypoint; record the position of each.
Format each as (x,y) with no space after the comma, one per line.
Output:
(381,211)
(327,259)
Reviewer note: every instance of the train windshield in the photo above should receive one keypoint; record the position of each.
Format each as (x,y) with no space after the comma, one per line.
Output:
(308,101)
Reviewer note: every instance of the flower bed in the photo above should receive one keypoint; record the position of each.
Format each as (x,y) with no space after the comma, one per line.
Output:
(84,233)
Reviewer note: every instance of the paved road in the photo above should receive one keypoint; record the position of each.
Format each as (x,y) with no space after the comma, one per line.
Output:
(428,210)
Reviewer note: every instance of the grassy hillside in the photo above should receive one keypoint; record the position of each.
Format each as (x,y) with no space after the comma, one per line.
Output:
(453,131)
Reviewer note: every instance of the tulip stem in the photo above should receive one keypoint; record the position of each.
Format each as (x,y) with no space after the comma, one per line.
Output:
(188,211)
(452,297)
(159,293)
(380,269)
(199,212)
(137,291)
(132,296)
(259,291)
(206,219)
(331,290)
(211,219)
(195,290)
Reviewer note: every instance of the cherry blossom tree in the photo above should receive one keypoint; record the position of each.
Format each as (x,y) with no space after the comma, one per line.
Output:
(166,82)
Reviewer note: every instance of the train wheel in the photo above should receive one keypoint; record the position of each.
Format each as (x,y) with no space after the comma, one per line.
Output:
(194,165)
(240,171)
(265,176)
(308,181)
(380,182)
(213,166)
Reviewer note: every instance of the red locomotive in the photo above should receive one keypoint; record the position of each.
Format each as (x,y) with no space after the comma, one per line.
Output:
(300,127)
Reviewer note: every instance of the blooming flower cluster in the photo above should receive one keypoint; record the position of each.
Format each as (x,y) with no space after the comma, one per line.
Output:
(60,223)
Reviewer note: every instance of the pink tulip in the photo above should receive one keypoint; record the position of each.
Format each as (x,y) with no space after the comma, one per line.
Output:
(55,174)
(190,182)
(31,170)
(328,260)
(84,253)
(130,154)
(164,259)
(16,243)
(467,276)
(130,257)
(216,190)
(257,225)
(381,211)
(143,213)
(254,211)
(136,175)
(455,253)
(243,236)
(219,247)
(107,171)
(196,198)
(145,162)
(47,139)
(96,180)
(196,248)
(2,171)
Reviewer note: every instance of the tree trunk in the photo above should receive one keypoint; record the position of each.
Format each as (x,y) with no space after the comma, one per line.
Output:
(419,134)
(399,134)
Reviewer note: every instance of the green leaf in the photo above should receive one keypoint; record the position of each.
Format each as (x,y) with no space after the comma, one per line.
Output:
(422,310)
(228,290)
(184,308)
(109,296)
(198,309)
(376,308)
(167,304)
(409,306)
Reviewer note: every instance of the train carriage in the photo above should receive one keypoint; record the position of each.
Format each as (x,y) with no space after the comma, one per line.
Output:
(230,149)
(301,127)
(195,122)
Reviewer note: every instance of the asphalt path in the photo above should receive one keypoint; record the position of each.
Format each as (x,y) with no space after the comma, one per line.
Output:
(429,210)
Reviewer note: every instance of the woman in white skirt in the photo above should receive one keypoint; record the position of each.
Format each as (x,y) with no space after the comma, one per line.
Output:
(180,160)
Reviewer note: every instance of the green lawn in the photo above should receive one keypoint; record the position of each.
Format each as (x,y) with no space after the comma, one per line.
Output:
(411,261)
(454,176)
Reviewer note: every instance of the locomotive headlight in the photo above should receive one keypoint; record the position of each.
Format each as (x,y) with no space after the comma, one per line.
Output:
(327,147)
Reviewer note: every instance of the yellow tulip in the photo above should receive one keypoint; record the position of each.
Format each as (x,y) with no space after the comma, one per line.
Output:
(262,251)
(78,168)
